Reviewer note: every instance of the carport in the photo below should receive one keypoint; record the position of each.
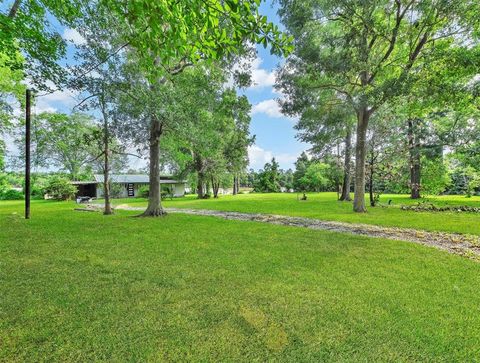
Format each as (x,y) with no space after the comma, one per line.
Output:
(86,189)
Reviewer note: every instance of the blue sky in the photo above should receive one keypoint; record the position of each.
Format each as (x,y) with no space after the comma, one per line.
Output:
(275,135)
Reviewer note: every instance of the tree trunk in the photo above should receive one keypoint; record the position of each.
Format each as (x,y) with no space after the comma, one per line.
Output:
(238,184)
(235,191)
(200,183)
(154,208)
(215,187)
(346,169)
(106,170)
(74,172)
(414,153)
(207,187)
(14,9)
(198,166)
(370,192)
(363,117)
(370,184)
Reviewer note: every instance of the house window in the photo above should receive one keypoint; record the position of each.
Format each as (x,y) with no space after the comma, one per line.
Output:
(130,190)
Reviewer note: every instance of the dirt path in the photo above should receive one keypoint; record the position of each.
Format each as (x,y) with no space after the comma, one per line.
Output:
(460,244)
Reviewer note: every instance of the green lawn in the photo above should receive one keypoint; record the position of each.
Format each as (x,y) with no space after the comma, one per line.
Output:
(84,287)
(325,206)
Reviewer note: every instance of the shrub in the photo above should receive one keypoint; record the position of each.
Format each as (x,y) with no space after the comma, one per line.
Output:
(166,193)
(143,192)
(116,190)
(60,188)
(12,194)
(38,191)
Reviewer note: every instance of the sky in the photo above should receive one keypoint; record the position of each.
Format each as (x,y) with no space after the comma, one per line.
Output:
(274,132)
(275,135)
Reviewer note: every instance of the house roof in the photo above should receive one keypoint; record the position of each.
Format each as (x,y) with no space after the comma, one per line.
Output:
(135,178)
(83,182)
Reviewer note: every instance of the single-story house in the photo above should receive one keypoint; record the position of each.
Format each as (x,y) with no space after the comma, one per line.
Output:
(127,184)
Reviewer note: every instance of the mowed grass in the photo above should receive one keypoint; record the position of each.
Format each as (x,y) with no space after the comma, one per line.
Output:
(325,206)
(77,286)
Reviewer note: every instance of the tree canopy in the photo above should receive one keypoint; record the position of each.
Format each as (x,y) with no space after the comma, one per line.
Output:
(26,28)
(367,53)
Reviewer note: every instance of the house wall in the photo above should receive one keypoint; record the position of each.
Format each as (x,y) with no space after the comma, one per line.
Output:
(179,190)
(99,191)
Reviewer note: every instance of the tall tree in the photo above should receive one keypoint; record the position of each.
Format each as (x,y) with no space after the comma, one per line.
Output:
(301,166)
(60,140)
(386,146)
(467,147)
(214,135)
(206,125)
(96,77)
(239,138)
(371,51)
(325,129)
(268,180)
(169,36)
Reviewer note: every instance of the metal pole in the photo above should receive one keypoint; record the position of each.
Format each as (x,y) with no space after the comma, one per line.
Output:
(27,154)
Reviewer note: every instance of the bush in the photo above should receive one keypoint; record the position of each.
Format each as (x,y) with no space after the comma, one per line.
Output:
(166,193)
(11,194)
(144,192)
(116,190)
(59,188)
(38,191)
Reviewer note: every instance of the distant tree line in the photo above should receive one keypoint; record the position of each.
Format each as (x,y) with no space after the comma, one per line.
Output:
(388,167)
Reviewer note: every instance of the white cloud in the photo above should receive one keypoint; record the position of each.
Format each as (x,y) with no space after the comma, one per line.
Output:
(258,157)
(45,108)
(137,163)
(66,97)
(261,78)
(10,144)
(286,159)
(74,36)
(268,107)
(63,99)
(43,101)
(50,103)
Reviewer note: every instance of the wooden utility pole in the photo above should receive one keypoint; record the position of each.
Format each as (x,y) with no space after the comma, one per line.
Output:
(27,154)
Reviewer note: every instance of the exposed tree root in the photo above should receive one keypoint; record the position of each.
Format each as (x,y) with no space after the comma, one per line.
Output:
(156,212)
